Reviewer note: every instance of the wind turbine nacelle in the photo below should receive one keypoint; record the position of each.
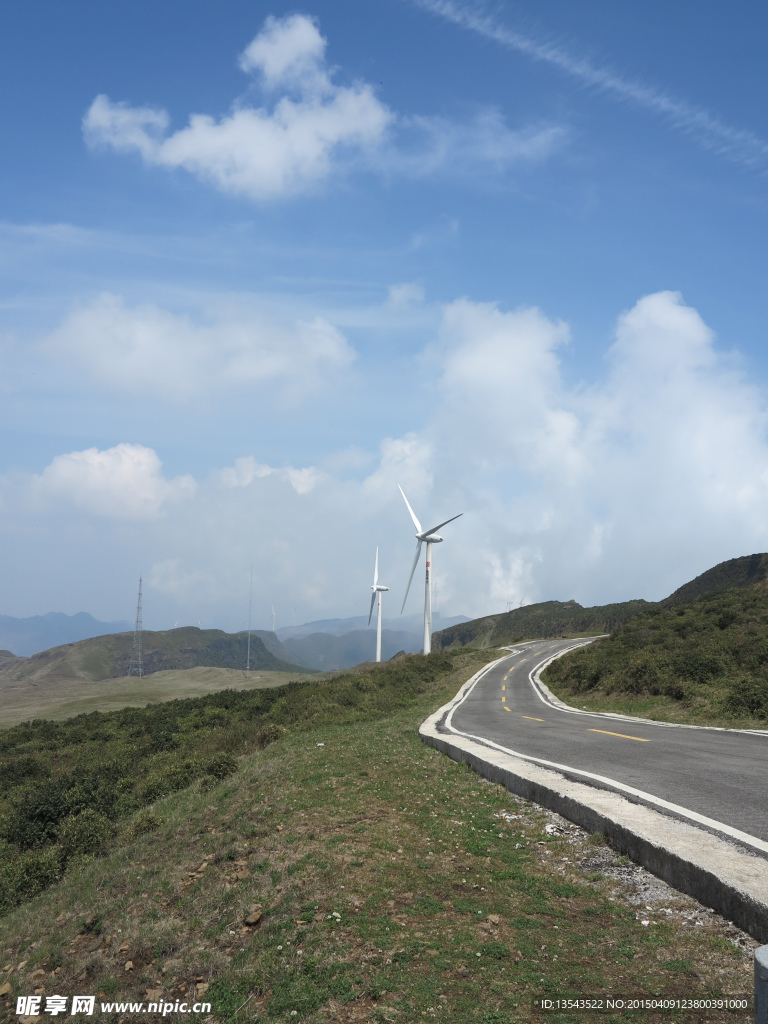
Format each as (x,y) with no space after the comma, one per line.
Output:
(378,589)
(432,538)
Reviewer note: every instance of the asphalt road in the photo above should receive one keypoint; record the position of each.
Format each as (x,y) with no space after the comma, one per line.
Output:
(721,775)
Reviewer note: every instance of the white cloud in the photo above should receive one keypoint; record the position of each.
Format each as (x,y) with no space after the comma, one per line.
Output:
(260,153)
(313,128)
(625,486)
(147,350)
(246,470)
(288,52)
(650,476)
(124,482)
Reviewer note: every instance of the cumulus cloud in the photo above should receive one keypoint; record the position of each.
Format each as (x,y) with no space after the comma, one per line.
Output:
(148,350)
(259,152)
(623,486)
(650,475)
(124,482)
(310,127)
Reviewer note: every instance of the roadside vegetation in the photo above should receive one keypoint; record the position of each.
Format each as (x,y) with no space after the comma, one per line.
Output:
(702,661)
(343,872)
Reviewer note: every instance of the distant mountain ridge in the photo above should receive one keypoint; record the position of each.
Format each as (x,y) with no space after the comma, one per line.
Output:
(330,653)
(746,571)
(26,636)
(538,621)
(109,657)
(340,627)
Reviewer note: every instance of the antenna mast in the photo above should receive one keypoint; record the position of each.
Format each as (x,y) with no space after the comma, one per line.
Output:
(250,606)
(135,667)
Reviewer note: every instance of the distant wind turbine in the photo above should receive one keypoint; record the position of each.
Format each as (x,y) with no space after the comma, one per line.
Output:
(428,537)
(377,589)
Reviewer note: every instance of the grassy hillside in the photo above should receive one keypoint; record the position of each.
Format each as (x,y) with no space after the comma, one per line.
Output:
(55,699)
(109,657)
(704,660)
(736,572)
(537,622)
(64,785)
(347,872)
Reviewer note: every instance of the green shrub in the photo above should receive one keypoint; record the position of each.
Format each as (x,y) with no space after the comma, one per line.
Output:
(35,813)
(747,696)
(144,823)
(221,766)
(28,875)
(85,834)
(13,773)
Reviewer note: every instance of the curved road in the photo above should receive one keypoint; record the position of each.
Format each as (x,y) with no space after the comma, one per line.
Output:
(716,778)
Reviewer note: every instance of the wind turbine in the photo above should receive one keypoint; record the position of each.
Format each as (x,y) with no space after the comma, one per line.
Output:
(377,589)
(428,537)
(273,618)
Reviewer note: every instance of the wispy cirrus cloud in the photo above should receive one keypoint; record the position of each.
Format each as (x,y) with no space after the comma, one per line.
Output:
(738,144)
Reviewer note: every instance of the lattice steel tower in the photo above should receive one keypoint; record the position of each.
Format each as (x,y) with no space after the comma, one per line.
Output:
(135,669)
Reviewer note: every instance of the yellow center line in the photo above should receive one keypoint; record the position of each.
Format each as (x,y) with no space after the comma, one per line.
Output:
(621,735)
(530,719)
(506,708)
(503,687)
(503,699)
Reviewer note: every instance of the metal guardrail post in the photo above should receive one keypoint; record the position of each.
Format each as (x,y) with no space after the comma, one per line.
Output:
(761,985)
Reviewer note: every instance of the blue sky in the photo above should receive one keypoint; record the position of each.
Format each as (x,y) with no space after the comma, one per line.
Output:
(260,263)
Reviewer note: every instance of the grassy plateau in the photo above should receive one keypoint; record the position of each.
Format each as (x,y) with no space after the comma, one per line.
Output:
(298,854)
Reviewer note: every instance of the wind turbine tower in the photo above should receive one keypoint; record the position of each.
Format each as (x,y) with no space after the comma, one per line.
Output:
(273,618)
(377,589)
(428,537)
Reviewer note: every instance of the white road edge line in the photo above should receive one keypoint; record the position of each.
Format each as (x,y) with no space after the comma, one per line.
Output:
(684,812)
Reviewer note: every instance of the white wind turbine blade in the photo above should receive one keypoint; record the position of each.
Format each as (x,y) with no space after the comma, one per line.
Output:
(413,567)
(373,601)
(376,569)
(436,528)
(416,522)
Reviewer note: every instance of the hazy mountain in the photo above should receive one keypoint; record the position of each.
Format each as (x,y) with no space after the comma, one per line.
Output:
(399,623)
(108,657)
(24,637)
(328,653)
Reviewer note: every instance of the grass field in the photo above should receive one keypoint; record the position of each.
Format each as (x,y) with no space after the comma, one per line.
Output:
(392,885)
(65,698)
